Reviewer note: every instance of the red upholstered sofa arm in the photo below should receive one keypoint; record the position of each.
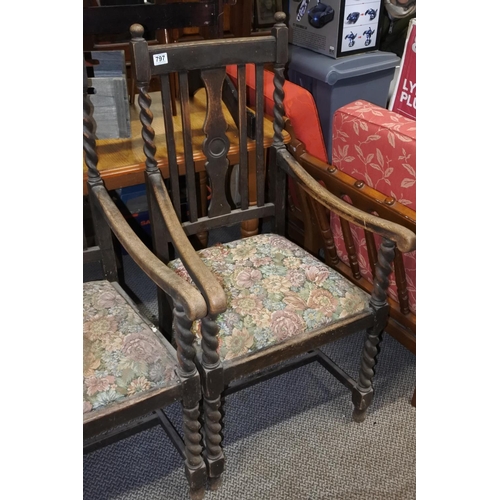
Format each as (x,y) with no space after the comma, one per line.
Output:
(378,147)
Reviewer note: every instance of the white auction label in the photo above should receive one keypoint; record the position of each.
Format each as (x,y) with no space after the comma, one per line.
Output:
(160,59)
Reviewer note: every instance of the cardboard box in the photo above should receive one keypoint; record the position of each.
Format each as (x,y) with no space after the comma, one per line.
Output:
(404,98)
(335,27)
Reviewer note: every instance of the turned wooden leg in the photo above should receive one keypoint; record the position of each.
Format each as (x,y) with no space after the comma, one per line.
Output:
(213,454)
(362,395)
(195,468)
(214,481)
(249,227)
(194,465)
(212,385)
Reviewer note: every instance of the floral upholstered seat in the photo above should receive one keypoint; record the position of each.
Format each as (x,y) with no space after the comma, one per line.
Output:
(123,357)
(274,290)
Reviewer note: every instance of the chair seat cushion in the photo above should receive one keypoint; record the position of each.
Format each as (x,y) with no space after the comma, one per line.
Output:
(274,290)
(122,356)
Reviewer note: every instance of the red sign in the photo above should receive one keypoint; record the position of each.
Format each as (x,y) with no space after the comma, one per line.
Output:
(404,99)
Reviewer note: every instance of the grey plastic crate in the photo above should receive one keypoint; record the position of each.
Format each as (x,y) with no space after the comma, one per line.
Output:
(336,82)
(109,95)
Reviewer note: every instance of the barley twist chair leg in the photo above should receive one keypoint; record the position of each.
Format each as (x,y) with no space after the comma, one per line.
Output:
(213,454)
(362,395)
(195,468)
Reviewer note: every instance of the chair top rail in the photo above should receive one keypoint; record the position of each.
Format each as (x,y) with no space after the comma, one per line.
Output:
(205,54)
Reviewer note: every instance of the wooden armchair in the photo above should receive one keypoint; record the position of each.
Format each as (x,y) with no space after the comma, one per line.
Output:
(130,372)
(270,303)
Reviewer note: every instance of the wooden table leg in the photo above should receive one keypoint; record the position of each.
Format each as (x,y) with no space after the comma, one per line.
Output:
(251,227)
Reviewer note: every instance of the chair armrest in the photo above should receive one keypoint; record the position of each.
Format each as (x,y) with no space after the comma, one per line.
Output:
(191,300)
(403,237)
(340,184)
(206,282)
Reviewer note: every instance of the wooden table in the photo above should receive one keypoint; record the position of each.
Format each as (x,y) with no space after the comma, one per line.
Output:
(122,161)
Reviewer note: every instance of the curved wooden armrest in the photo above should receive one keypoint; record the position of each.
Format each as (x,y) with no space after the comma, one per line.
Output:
(180,290)
(335,180)
(403,237)
(199,272)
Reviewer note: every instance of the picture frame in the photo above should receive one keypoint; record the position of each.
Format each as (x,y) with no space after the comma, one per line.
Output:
(265,10)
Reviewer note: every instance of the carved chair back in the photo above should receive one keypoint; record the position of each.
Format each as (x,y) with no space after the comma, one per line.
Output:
(211,57)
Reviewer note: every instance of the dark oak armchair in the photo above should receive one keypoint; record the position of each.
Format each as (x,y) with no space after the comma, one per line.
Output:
(270,303)
(130,372)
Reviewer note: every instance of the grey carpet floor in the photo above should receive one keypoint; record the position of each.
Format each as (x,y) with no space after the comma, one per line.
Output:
(288,438)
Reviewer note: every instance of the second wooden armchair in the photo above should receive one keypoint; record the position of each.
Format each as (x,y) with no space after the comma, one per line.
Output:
(270,303)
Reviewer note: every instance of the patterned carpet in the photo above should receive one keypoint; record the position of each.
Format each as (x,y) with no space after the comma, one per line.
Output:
(288,438)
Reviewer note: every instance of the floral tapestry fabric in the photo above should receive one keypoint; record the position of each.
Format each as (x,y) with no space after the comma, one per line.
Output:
(122,356)
(378,147)
(274,290)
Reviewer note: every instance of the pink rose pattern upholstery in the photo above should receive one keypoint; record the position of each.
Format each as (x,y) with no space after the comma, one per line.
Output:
(378,147)
(274,290)
(122,357)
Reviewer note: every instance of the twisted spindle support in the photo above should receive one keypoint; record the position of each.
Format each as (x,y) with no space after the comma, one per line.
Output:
(194,465)
(148,133)
(279,30)
(363,392)
(209,342)
(89,142)
(184,339)
(213,385)
(139,52)
(213,454)
(279,109)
